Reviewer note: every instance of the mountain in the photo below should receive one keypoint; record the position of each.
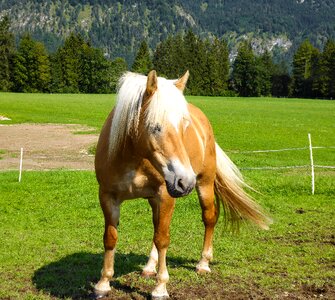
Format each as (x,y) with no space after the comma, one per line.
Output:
(118,27)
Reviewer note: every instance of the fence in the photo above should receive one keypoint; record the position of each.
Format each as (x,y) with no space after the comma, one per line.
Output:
(312,166)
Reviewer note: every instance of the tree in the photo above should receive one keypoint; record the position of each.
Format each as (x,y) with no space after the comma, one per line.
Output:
(6,54)
(304,66)
(324,83)
(281,80)
(194,58)
(117,68)
(142,63)
(67,61)
(217,58)
(31,67)
(245,72)
(329,61)
(80,68)
(265,70)
(94,70)
(207,62)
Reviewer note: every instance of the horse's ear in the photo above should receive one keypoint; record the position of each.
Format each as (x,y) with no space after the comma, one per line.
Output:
(181,82)
(151,83)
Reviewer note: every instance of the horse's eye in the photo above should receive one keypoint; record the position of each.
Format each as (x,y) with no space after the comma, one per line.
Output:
(156,129)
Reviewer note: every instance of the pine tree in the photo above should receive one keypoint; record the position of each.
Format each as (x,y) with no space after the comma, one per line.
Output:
(265,70)
(19,74)
(281,80)
(245,72)
(163,57)
(117,68)
(31,67)
(169,57)
(195,61)
(6,54)
(178,60)
(43,69)
(304,66)
(94,69)
(207,62)
(67,61)
(217,68)
(329,57)
(142,63)
(324,83)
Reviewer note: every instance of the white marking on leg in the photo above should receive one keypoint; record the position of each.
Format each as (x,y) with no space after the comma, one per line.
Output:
(150,267)
(107,273)
(206,257)
(162,276)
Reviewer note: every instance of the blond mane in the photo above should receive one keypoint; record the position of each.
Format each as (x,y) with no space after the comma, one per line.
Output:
(167,105)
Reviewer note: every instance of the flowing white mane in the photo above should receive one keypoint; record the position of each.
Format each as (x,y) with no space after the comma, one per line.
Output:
(167,105)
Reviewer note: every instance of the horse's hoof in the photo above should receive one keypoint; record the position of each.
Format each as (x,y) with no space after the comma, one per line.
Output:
(148,275)
(159,294)
(101,293)
(98,297)
(160,298)
(201,270)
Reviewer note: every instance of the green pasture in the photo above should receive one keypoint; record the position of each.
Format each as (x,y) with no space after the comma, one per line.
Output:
(51,223)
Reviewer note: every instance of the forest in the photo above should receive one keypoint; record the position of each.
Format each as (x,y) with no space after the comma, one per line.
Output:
(118,27)
(78,67)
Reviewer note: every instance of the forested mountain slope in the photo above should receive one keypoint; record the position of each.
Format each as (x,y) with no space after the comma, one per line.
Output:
(119,26)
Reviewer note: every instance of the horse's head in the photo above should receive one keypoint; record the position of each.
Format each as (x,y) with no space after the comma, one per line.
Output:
(163,121)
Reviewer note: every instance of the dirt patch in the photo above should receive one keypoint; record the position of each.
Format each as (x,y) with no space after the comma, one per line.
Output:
(216,288)
(46,146)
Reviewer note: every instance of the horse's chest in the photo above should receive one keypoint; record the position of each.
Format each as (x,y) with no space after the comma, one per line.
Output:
(133,185)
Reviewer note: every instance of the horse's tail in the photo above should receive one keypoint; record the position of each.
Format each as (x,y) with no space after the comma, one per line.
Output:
(237,204)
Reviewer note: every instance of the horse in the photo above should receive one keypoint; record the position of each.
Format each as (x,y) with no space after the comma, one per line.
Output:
(157,146)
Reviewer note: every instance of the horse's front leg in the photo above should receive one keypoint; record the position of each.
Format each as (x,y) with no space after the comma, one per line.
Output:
(111,211)
(149,269)
(210,214)
(162,213)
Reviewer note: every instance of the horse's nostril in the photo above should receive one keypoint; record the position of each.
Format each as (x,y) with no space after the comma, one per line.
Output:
(181,184)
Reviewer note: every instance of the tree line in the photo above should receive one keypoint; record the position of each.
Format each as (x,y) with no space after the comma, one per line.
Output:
(77,67)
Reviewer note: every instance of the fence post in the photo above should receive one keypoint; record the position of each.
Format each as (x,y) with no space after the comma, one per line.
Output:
(312,162)
(21,158)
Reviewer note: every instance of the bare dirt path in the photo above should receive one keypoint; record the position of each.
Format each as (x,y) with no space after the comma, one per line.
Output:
(46,146)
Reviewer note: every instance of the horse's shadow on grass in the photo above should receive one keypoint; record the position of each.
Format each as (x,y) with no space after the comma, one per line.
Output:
(73,276)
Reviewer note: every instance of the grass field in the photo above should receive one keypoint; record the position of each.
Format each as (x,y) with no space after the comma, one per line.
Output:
(51,223)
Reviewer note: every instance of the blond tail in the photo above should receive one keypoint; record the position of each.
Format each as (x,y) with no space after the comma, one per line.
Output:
(228,186)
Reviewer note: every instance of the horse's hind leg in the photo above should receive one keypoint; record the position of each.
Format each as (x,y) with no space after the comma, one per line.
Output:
(210,214)
(111,210)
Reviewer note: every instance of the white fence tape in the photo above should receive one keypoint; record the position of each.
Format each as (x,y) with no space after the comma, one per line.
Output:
(311,166)
(277,150)
(274,168)
(324,167)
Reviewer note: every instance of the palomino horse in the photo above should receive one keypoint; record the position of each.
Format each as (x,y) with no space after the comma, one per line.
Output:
(155,145)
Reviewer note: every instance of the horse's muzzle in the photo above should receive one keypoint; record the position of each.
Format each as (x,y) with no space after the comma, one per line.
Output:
(180,187)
